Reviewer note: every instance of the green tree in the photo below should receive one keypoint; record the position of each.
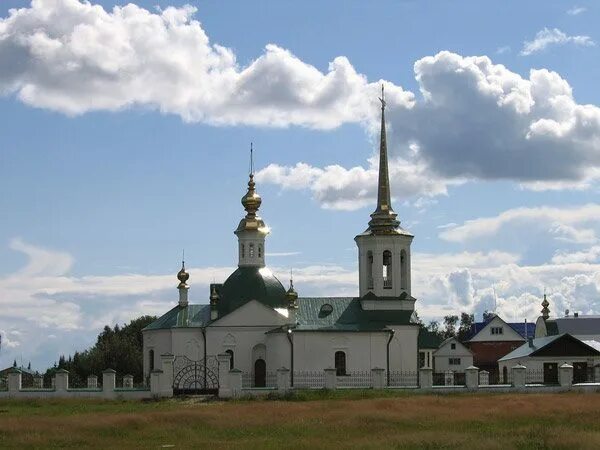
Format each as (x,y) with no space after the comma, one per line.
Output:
(466,323)
(450,322)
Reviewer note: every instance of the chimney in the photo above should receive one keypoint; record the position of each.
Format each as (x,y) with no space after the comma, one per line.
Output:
(576,314)
(530,342)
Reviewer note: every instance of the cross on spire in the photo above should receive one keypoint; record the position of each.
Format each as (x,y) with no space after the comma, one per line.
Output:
(251,160)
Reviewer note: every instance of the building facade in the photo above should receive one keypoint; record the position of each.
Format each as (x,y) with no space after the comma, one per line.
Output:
(262,326)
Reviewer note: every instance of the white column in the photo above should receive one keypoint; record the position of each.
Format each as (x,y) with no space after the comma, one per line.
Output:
(224,378)
(166,380)
(235,382)
(14,380)
(377,378)
(425,377)
(62,380)
(283,379)
(330,378)
(565,375)
(518,376)
(155,382)
(109,383)
(472,377)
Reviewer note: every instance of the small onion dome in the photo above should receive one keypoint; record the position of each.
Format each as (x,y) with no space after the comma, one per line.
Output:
(251,201)
(545,310)
(182,276)
(214,296)
(291,295)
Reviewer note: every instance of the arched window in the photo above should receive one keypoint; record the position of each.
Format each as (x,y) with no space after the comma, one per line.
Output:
(230,353)
(243,251)
(251,250)
(369,269)
(387,269)
(151,360)
(340,363)
(403,270)
(260,251)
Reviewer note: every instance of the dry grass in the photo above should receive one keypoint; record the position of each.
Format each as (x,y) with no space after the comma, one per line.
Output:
(408,421)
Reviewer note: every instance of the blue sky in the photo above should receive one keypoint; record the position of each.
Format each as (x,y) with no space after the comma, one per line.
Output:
(122,146)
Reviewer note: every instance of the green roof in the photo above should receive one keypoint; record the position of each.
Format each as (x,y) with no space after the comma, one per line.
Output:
(250,283)
(346,314)
(186,316)
(427,339)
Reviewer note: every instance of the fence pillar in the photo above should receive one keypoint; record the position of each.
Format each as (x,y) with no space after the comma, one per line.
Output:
(597,373)
(235,382)
(224,360)
(62,380)
(128,382)
(425,377)
(166,379)
(283,379)
(14,380)
(92,382)
(519,376)
(472,377)
(377,378)
(109,382)
(565,375)
(330,378)
(448,378)
(38,381)
(155,382)
(484,378)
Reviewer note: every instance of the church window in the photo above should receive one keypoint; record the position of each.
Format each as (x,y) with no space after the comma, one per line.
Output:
(403,270)
(340,363)
(151,360)
(369,270)
(251,250)
(260,251)
(387,269)
(230,353)
(243,251)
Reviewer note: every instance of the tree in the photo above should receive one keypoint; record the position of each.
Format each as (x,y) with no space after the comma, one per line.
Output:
(466,323)
(450,322)
(487,316)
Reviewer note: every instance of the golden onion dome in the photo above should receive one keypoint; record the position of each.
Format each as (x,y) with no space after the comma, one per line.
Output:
(251,201)
(291,295)
(182,276)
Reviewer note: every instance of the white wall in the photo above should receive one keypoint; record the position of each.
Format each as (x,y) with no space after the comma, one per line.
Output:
(442,356)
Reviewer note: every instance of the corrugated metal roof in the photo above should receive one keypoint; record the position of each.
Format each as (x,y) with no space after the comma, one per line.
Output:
(187,316)
(346,314)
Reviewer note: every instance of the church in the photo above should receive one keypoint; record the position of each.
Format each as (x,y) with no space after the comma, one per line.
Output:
(263,326)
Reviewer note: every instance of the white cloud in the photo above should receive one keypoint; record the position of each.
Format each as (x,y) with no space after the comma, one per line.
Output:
(572,224)
(576,10)
(75,57)
(502,50)
(548,37)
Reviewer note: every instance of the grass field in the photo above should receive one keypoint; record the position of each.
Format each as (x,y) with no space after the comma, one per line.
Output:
(358,419)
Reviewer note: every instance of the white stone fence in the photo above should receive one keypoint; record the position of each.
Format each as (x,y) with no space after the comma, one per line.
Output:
(61,389)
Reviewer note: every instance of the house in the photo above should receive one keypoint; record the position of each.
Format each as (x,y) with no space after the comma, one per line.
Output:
(26,374)
(494,338)
(428,343)
(253,321)
(583,327)
(452,355)
(543,356)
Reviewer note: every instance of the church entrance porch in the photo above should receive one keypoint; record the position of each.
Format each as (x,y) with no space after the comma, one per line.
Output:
(195,377)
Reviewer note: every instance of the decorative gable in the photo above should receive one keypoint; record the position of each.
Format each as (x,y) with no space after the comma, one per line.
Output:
(251,314)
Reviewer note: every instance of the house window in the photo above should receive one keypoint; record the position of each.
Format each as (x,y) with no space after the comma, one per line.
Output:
(454,361)
(151,360)
(230,353)
(497,330)
(453,346)
(340,363)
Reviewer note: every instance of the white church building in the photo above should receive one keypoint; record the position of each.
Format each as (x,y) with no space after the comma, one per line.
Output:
(262,326)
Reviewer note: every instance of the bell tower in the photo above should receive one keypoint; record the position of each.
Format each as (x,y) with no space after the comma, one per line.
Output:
(251,231)
(384,247)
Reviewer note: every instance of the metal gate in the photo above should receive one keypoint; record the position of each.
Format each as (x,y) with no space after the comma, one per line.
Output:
(195,377)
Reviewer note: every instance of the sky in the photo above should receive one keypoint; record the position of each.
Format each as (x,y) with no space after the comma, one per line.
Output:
(125,132)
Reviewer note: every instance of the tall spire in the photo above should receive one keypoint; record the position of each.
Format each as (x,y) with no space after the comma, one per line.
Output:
(383,220)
